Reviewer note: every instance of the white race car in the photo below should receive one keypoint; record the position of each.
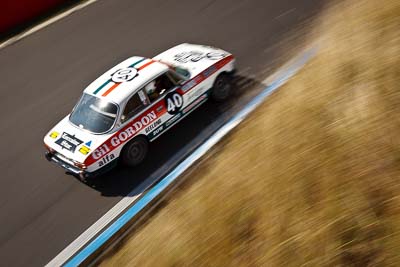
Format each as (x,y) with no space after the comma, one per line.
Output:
(134,103)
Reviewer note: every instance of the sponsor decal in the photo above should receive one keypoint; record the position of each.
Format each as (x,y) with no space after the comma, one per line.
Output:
(192,83)
(174,119)
(174,102)
(88,143)
(157,131)
(68,142)
(136,127)
(196,56)
(189,85)
(101,151)
(208,72)
(152,126)
(124,135)
(106,159)
(185,57)
(216,55)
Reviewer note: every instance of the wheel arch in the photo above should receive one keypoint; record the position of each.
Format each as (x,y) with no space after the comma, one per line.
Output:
(130,140)
(126,144)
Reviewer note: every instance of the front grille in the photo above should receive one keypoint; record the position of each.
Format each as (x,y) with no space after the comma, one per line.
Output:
(65,159)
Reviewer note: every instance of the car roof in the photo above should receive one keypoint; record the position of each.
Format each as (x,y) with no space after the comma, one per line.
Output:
(121,81)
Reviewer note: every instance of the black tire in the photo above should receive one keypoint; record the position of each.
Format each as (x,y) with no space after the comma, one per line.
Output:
(135,151)
(222,87)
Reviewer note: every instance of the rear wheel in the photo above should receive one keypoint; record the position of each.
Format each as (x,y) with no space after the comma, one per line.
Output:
(135,151)
(222,87)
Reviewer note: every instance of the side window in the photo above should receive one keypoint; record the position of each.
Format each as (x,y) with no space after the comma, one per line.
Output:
(175,77)
(181,72)
(159,87)
(134,105)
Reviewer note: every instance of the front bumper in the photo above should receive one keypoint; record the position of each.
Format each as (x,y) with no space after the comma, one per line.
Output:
(82,174)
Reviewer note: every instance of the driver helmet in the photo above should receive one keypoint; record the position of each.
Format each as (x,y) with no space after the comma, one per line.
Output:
(150,88)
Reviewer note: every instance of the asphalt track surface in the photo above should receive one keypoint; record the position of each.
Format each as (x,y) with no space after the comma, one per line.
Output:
(42,76)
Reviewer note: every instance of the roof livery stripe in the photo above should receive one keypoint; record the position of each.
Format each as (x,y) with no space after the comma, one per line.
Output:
(137,62)
(145,65)
(101,87)
(110,89)
(109,80)
(140,68)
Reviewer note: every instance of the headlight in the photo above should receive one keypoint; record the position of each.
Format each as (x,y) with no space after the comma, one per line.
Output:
(54,135)
(80,165)
(49,148)
(84,150)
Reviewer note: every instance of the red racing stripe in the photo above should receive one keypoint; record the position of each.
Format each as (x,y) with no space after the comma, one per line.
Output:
(201,77)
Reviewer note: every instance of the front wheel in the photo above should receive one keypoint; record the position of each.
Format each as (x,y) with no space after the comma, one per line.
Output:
(222,87)
(135,151)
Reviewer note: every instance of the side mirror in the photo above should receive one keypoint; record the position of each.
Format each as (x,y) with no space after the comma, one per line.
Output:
(123,118)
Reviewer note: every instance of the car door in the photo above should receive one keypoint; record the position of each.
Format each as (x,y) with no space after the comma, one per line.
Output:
(166,100)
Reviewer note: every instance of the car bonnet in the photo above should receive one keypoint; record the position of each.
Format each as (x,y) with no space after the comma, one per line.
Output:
(72,142)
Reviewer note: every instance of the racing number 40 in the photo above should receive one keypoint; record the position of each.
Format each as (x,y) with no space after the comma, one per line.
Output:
(174,103)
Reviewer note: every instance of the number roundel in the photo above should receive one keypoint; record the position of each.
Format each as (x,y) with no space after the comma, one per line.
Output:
(174,102)
(124,75)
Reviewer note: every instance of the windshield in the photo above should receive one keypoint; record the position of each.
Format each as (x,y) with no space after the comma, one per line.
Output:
(94,114)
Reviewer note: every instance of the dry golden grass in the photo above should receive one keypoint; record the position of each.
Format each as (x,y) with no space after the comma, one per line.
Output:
(312,177)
